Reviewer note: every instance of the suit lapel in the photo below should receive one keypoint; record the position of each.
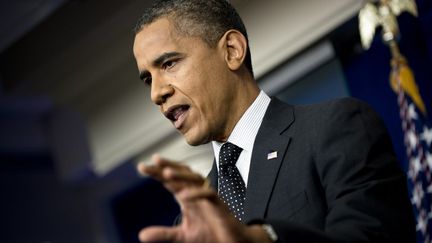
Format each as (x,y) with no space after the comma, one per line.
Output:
(271,138)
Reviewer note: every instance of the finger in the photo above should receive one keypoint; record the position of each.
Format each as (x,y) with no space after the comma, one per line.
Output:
(188,198)
(167,170)
(175,186)
(147,170)
(185,175)
(176,181)
(159,163)
(174,176)
(164,162)
(159,234)
(193,194)
(155,170)
(177,173)
(203,204)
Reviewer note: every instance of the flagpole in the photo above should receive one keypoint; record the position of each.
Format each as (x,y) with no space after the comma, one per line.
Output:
(394,48)
(416,128)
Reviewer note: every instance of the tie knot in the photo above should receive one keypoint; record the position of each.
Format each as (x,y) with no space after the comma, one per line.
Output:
(229,154)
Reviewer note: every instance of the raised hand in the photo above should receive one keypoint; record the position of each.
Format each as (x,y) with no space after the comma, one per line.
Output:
(205,218)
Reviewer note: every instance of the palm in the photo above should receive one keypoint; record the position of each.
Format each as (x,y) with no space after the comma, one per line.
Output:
(205,218)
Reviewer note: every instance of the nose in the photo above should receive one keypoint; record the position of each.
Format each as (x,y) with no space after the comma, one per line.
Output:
(161,90)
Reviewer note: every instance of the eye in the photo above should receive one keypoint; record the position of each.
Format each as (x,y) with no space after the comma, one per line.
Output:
(169,64)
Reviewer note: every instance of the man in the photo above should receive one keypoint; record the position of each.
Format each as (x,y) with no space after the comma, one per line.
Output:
(320,173)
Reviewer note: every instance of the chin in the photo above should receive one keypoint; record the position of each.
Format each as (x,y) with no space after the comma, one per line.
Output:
(195,140)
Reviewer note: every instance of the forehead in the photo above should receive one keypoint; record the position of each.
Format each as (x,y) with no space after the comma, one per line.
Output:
(159,33)
(161,37)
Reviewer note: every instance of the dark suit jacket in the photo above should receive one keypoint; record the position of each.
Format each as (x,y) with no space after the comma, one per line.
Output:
(335,178)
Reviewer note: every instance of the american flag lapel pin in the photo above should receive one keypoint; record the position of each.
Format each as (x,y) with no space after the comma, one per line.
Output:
(272,155)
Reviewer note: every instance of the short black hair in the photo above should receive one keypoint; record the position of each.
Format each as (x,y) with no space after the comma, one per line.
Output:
(207,19)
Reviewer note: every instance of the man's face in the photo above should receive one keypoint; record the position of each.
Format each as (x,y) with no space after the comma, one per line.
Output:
(189,81)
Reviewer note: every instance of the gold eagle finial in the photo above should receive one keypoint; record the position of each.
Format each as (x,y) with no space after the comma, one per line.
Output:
(382,13)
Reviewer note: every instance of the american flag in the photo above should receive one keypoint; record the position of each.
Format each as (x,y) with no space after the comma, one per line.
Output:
(418,142)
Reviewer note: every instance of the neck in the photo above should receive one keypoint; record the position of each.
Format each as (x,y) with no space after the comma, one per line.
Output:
(247,92)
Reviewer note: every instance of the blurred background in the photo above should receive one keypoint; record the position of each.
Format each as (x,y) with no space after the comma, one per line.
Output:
(75,118)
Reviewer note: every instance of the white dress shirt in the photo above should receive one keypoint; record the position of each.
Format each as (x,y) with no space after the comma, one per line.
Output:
(244,134)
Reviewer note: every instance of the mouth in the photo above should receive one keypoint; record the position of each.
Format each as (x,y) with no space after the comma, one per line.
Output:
(177,114)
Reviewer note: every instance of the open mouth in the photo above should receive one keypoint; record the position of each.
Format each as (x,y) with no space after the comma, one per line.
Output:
(177,114)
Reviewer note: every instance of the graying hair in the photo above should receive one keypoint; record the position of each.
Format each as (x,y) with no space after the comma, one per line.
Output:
(207,19)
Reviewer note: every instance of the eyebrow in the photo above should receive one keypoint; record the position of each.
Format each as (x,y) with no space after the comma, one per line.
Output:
(158,61)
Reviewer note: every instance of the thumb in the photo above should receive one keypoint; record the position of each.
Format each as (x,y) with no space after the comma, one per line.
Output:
(158,234)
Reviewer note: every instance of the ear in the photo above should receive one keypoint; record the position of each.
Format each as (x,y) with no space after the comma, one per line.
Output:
(235,46)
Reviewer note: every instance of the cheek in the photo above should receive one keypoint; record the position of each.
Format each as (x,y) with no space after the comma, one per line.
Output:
(200,84)
(198,88)
(209,102)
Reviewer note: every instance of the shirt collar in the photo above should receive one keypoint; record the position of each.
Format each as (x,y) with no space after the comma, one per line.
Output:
(246,129)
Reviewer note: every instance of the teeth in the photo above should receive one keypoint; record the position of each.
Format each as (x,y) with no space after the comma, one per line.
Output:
(177,112)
